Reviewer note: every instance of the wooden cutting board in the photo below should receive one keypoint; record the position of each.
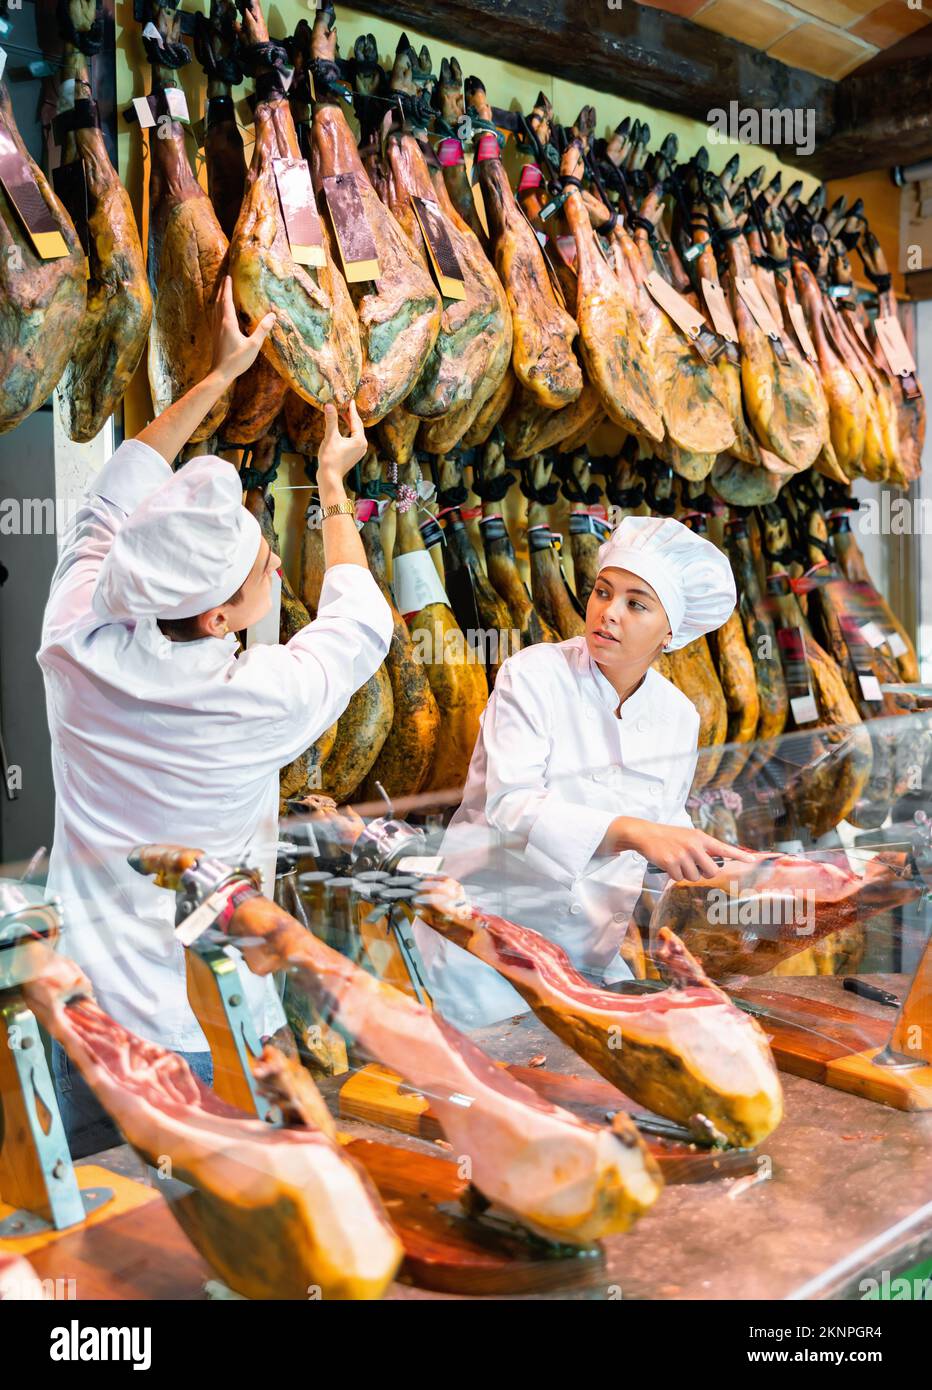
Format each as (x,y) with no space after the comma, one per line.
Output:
(836,1047)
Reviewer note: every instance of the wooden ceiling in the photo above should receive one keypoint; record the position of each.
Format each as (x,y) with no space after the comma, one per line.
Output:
(830,38)
(692,56)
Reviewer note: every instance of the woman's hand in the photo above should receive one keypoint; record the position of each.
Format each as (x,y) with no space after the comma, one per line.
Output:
(338,453)
(680,851)
(233,350)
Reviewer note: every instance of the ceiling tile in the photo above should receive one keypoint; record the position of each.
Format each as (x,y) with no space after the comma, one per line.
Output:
(842,12)
(826,52)
(758,24)
(889,23)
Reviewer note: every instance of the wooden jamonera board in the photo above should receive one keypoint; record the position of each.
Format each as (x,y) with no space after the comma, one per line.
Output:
(828,1043)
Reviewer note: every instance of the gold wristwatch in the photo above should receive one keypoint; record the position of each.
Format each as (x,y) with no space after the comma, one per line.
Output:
(339,509)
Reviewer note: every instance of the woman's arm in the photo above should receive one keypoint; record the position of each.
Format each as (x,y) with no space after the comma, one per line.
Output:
(233,353)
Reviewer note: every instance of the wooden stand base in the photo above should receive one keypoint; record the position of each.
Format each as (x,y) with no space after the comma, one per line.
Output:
(836,1047)
(127,1196)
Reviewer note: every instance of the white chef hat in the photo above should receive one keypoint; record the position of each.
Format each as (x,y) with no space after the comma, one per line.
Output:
(186,549)
(690,575)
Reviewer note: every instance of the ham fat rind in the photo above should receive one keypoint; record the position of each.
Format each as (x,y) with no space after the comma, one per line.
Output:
(113,331)
(41,302)
(399,314)
(558,1176)
(314,343)
(684,1053)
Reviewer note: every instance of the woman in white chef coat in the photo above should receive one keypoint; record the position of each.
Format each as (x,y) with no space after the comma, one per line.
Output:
(581,771)
(160,729)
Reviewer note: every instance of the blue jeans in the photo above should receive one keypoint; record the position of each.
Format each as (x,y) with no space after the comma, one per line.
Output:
(88,1126)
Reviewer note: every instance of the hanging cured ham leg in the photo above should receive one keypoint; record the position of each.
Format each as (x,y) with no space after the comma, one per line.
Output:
(543,358)
(314,343)
(259,393)
(274,1211)
(399,313)
(403,765)
(556,1175)
(908,397)
(186,251)
(491,482)
(613,348)
(113,331)
(684,1053)
(471,327)
(778,394)
(42,302)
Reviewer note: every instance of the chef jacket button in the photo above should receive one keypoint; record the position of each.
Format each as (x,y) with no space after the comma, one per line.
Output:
(591,711)
(576,909)
(655,790)
(642,726)
(620,917)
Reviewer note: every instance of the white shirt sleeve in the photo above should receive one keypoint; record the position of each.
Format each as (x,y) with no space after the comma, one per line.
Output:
(307,683)
(517,730)
(131,475)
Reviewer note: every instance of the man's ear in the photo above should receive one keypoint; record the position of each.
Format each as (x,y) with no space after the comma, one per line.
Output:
(214,623)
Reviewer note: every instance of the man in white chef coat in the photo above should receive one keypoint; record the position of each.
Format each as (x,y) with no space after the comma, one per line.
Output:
(160,730)
(581,771)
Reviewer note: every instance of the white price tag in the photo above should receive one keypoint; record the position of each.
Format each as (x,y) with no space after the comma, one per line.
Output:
(415,582)
(177,103)
(870,688)
(143,113)
(425,489)
(541,236)
(804,708)
(872,635)
(66,94)
(2,60)
(896,644)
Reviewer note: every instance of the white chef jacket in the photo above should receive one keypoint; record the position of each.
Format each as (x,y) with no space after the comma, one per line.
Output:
(181,742)
(551,770)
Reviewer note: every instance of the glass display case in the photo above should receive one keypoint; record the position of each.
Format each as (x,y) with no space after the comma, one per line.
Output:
(467,995)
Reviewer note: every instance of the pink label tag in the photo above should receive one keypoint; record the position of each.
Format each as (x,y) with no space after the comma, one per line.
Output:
(488,147)
(530,177)
(450,152)
(366,508)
